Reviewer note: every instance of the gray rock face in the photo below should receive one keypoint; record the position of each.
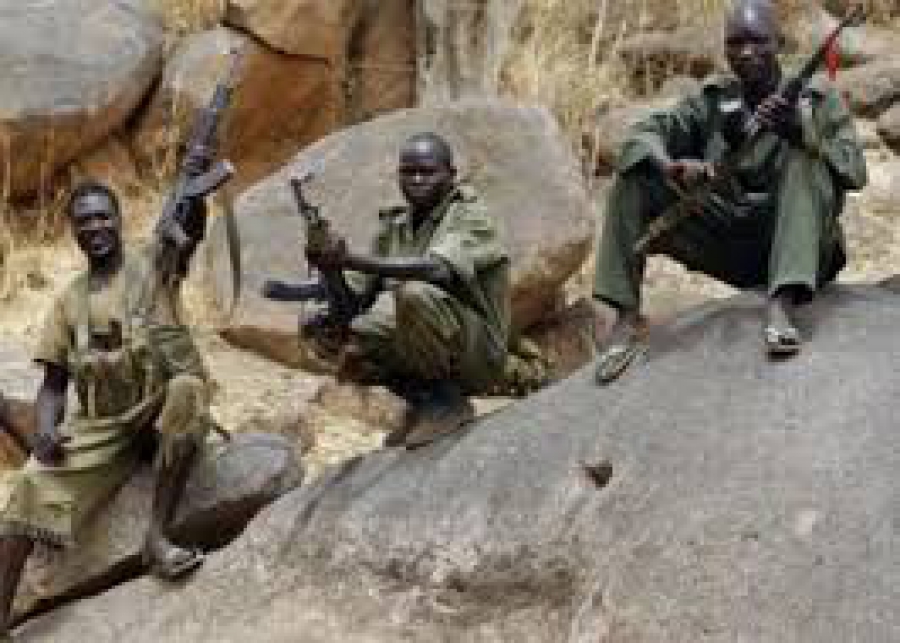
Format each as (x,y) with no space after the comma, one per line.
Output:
(873,88)
(227,488)
(709,495)
(515,157)
(889,128)
(73,71)
(18,379)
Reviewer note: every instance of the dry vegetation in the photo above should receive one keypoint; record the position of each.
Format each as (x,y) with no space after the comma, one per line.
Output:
(187,16)
(564,57)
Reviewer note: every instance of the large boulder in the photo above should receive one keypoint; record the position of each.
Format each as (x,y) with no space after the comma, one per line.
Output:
(889,128)
(281,103)
(515,156)
(312,28)
(73,71)
(229,485)
(872,88)
(18,381)
(310,68)
(369,45)
(709,495)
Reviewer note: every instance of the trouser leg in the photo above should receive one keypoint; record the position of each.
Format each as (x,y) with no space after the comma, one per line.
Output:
(14,551)
(806,248)
(710,241)
(182,423)
(440,338)
(632,200)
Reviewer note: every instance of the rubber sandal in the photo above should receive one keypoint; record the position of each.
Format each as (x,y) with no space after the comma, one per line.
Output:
(176,569)
(782,341)
(615,359)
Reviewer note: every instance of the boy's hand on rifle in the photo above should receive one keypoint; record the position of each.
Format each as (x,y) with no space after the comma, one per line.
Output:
(777,115)
(327,252)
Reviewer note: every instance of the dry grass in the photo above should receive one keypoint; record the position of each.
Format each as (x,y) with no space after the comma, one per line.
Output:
(188,16)
(565,50)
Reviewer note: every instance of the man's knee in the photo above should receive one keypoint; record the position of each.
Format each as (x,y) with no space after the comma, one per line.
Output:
(415,296)
(186,389)
(424,308)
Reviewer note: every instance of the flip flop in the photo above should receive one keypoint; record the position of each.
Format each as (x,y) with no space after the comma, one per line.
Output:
(782,341)
(178,566)
(615,359)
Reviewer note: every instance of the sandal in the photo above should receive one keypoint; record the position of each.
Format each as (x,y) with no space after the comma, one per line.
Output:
(781,340)
(616,358)
(178,563)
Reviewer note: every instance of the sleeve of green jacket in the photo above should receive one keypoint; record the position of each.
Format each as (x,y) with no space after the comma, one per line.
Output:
(828,130)
(679,132)
(469,241)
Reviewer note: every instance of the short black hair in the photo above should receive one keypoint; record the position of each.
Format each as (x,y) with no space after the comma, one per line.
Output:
(92,186)
(438,144)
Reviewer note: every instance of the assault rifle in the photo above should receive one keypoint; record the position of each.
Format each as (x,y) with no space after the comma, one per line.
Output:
(750,130)
(330,287)
(197,176)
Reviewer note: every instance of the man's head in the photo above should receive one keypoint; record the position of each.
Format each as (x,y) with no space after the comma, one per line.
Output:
(427,172)
(752,41)
(96,221)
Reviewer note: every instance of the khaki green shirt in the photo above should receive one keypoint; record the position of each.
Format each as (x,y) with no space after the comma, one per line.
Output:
(460,233)
(112,303)
(693,129)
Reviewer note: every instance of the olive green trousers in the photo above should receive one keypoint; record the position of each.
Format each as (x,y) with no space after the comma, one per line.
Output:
(791,238)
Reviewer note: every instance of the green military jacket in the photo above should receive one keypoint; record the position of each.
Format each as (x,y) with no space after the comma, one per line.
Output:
(460,233)
(693,129)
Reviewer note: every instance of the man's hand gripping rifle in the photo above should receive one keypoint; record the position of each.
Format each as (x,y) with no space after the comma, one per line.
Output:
(751,129)
(329,287)
(181,225)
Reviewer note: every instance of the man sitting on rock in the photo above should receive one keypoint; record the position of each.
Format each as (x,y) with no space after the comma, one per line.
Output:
(116,333)
(432,298)
(774,226)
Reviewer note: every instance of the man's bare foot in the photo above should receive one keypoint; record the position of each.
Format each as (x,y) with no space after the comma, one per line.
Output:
(781,337)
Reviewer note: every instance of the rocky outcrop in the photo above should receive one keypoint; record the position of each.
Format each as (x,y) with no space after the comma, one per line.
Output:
(369,46)
(710,494)
(873,88)
(311,28)
(73,73)
(889,128)
(310,67)
(282,102)
(650,58)
(514,156)
(227,488)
